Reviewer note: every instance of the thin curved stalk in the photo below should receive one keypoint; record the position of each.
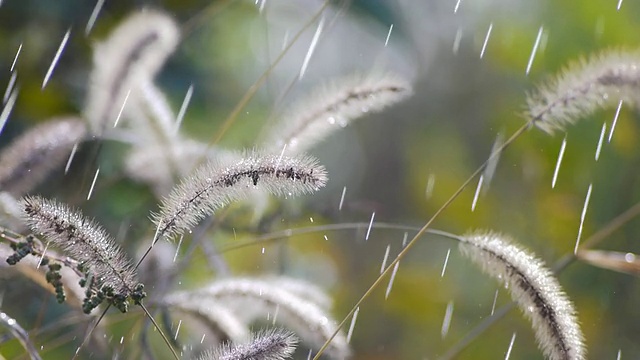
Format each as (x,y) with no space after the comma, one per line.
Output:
(275,236)
(413,241)
(20,334)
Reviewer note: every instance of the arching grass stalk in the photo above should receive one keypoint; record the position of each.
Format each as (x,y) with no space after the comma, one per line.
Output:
(428,224)
(280,235)
(19,334)
(208,12)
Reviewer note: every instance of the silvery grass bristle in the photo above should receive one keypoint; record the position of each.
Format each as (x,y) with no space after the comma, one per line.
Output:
(20,334)
(275,344)
(333,106)
(132,54)
(84,240)
(534,288)
(585,86)
(33,155)
(216,184)
(254,299)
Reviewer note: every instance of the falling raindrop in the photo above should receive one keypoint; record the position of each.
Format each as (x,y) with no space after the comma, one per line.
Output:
(456,41)
(492,163)
(15,58)
(446,261)
(513,339)
(486,41)
(495,300)
(615,120)
(175,255)
(582,217)
(175,337)
(373,215)
(93,184)
(312,48)
(285,40)
(9,90)
(93,17)
(619,350)
(344,191)
(43,254)
(54,62)
(384,260)
(386,41)
(71,156)
(619,5)
(183,108)
(280,159)
(6,111)
(353,324)
(599,147)
(447,319)
(393,277)
(534,50)
(275,315)
(455,9)
(431,181)
(156,234)
(115,123)
(475,197)
(560,156)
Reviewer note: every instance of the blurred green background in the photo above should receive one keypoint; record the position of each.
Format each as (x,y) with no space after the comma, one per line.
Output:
(462,101)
